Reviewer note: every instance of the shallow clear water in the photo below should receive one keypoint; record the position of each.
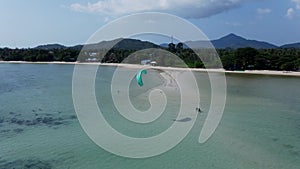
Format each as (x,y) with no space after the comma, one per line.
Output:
(260,127)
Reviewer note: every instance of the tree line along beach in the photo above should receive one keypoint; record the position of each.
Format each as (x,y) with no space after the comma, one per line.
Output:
(249,57)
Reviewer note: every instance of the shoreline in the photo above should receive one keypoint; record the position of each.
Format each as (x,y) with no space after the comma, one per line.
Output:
(254,72)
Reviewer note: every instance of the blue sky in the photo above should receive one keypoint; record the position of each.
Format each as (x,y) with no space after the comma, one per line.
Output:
(33,22)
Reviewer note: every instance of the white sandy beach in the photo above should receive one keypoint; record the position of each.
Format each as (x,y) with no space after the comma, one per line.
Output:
(137,66)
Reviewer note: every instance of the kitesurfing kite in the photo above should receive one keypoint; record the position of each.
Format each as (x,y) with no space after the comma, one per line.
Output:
(139,79)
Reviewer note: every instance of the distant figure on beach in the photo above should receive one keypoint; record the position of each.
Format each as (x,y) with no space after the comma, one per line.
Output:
(198,110)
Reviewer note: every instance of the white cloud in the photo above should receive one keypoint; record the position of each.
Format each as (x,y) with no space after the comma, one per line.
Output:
(297,2)
(183,8)
(262,11)
(106,19)
(290,13)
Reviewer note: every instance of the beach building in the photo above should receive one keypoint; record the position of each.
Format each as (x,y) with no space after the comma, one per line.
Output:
(148,62)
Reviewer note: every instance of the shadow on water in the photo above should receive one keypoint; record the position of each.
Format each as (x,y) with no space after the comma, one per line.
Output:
(183,120)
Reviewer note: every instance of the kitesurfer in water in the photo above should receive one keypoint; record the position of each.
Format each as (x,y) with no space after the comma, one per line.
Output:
(198,110)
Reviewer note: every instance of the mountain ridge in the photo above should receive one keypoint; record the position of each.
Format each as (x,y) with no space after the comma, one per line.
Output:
(121,43)
(291,45)
(229,41)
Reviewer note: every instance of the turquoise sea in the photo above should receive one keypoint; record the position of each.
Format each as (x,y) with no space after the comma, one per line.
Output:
(260,128)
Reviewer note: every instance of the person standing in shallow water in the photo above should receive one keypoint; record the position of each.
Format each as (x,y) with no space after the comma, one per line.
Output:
(198,110)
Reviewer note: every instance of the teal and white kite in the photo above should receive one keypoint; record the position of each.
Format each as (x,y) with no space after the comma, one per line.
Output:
(138,77)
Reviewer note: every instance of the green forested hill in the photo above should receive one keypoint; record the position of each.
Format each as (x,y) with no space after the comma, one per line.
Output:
(245,58)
